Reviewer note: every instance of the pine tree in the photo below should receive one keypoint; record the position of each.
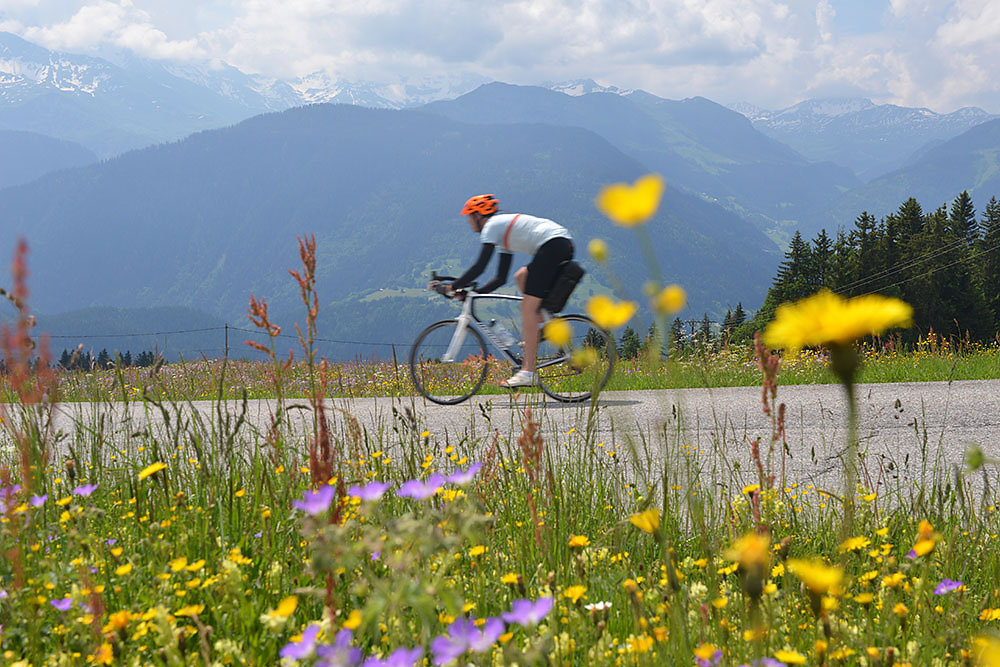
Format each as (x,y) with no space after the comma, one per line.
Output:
(990,261)
(962,221)
(628,348)
(705,330)
(103,359)
(592,339)
(739,315)
(821,269)
(677,334)
(127,359)
(64,359)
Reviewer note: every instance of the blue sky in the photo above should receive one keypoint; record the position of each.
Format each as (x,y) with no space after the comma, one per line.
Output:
(941,54)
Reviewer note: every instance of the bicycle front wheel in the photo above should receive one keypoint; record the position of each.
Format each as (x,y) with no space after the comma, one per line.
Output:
(451,381)
(571,373)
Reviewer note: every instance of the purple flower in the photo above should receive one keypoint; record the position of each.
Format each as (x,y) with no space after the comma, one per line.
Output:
(303,648)
(38,501)
(525,612)
(463,635)
(401,657)
(340,653)
(315,503)
(258,533)
(464,476)
(947,586)
(419,490)
(369,492)
(111,541)
(3,594)
(714,660)
(84,490)
(912,554)
(62,605)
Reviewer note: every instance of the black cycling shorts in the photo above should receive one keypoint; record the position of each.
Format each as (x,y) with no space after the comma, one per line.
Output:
(544,268)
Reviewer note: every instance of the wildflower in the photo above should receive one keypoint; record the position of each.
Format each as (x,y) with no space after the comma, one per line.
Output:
(829,319)
(303,648)
(671,299)
(122,570)
(509,578)
(574,593)
(864,598)
(105,654)
(986,650)
(401,657)
(286,607)
(707,655)
(579,541)
(340,653)
(752,551)
(584,357)
(854,543)
(525,612)
(190,610)
(370,492)
(947,586)
(598,249)
(151,470)
(900,610)
(420,490)
(597,606)
(648,521)
(85,490)
(790,657)
(817,577)
(63,604)
(477,550)
(557,332)
(38,501)
(630,205)
(462,636)
(750,488)
(464,476)
(314,503)
(608,313)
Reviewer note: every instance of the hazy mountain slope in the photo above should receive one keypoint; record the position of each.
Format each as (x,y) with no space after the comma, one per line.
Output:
(98,104)
(872,139)
(970,161)
(24,156)
(695,143)
(208,220)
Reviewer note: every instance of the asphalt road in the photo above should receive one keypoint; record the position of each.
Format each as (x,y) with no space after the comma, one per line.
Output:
(905,430)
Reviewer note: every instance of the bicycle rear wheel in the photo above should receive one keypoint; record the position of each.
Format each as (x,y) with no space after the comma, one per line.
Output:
(448,382)
(573,372)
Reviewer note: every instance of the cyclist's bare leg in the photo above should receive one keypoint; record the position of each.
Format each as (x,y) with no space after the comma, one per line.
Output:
(530,320)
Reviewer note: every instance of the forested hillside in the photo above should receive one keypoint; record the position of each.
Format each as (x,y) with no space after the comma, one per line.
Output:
(945,263)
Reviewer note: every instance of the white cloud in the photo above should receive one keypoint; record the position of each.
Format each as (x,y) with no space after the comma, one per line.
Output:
(938,53)
(118,23)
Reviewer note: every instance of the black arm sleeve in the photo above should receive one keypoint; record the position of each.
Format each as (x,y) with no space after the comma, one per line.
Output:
(475,269)
(501,276)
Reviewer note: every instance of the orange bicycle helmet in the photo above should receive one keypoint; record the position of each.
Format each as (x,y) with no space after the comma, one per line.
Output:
(484,204)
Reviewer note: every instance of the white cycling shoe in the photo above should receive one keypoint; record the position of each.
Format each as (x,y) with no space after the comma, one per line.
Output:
(520,379)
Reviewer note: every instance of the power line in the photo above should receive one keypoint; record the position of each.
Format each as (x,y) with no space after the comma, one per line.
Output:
(935,270)
(151,333)
(885,273)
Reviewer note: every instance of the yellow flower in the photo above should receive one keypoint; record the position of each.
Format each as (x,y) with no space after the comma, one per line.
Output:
(585,357)
(790,657)
(557,332)
(609,314)
(579,541)
(105,654)
(986,651)
(598,249)
(286,607)
(670,300)
(826,318)
(900,610)
(705,651)
(893,580)
(151,470)
(509,578)
(854,543)
(630,205)
(752,551)
(923,547)
(353,620)
(190,610)
(178,564)
(124,569)
(477,550)
(750,488)
(647,521)
(574,593)
(817,577)
(864,598)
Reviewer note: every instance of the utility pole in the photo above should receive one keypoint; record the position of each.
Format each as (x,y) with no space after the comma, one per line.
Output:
(226,349)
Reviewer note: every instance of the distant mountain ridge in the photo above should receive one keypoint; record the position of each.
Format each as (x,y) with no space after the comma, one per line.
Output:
(872,139)
(207,221)
(27,156)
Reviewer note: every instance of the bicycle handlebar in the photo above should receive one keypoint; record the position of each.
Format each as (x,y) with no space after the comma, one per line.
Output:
(442,289)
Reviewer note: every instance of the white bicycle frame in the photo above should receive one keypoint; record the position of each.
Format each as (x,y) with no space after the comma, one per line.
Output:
(466,319)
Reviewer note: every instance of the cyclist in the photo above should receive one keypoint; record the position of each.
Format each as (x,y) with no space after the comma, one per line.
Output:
(551,245)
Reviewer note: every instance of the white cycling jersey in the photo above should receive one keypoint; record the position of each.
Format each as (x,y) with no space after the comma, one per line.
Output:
(517,232)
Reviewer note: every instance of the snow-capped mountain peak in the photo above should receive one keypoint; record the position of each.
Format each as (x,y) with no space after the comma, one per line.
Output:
(577,87)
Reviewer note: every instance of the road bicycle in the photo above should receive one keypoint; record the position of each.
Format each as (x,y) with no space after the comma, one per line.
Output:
(449,360)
